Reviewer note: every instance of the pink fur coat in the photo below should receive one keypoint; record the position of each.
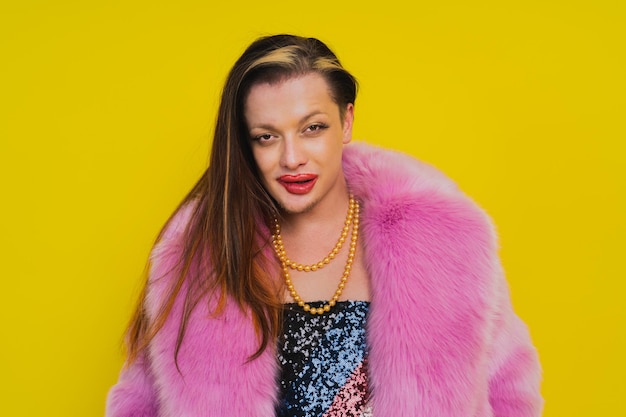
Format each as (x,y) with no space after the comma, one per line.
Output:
(443,338)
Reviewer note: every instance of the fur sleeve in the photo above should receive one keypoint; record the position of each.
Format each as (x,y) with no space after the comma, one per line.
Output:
(133,395)
(514,370)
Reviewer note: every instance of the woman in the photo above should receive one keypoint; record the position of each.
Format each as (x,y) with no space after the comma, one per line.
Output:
(306,276)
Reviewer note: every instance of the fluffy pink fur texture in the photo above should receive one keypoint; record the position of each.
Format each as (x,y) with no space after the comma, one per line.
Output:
(443,338)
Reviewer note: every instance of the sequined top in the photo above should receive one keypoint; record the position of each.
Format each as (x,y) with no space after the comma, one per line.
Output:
(324,362)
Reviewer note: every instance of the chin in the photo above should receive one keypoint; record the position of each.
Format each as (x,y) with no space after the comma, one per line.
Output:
(301,208)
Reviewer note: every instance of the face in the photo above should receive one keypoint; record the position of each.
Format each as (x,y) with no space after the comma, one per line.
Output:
(298,135)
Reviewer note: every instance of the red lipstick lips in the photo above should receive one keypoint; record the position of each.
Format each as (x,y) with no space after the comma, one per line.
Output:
(298,184)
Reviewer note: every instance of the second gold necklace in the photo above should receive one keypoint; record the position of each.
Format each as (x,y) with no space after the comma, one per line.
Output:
(352,219)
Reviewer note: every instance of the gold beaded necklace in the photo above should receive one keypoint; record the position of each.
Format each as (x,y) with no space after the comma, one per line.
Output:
(352,219)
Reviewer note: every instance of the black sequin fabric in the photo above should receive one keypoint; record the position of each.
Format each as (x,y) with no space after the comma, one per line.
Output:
(324,362)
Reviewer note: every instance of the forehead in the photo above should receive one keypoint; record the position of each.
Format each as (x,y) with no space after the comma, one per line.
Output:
(291,97)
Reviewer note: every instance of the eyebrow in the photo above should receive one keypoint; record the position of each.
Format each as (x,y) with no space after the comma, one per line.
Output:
(302,120)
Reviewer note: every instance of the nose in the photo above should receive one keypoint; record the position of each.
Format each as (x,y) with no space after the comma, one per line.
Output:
(293,153)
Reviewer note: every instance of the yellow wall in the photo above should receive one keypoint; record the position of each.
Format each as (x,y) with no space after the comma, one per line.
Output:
(107,107)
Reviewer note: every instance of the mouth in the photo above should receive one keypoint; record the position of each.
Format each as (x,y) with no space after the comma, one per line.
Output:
(298,184)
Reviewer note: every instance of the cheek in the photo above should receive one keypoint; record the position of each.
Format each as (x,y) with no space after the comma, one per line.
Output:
(335,150)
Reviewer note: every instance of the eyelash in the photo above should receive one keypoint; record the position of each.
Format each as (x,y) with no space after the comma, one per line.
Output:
(316,127)
(261,137)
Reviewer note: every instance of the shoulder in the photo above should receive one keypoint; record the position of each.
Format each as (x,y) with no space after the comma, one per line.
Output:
(414,215)
(391,172)
(397,188)
(166,257)
(172,235)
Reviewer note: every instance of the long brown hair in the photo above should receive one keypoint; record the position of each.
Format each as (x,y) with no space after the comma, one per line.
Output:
(229,200)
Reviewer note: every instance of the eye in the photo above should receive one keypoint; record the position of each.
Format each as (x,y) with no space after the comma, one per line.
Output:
(262,138)
(316,127)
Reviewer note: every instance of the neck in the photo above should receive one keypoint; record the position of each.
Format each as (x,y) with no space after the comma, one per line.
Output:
(308,236)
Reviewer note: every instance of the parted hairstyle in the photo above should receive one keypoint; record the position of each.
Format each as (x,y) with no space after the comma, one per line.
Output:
(228,201)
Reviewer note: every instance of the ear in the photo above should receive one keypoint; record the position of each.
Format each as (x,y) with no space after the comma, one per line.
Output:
(348,120)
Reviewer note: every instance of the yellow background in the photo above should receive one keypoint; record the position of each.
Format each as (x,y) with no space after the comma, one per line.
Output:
(107,107)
